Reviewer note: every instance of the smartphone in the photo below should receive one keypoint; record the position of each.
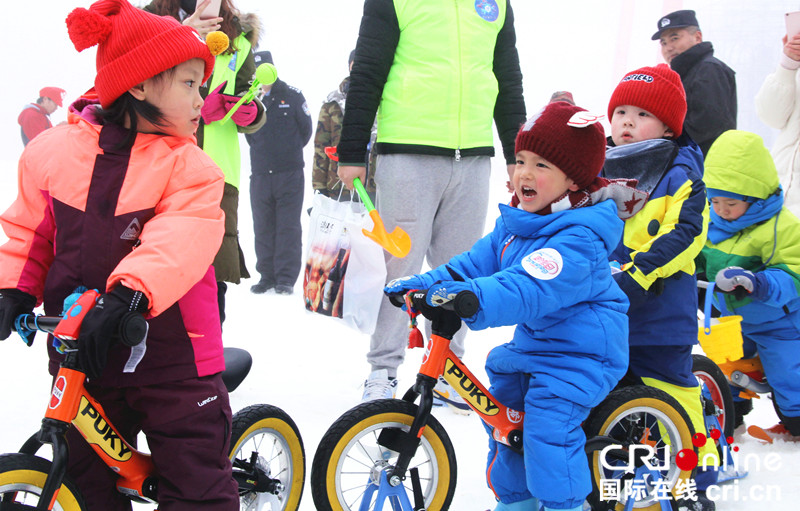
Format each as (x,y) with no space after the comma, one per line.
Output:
(211,10)
(792,23)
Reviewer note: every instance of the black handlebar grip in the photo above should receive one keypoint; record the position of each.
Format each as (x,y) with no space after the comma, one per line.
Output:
(43,323)
(133,329)
(397,299)
(465,304)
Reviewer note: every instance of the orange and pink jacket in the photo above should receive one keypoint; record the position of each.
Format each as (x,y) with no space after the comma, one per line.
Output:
(145,216)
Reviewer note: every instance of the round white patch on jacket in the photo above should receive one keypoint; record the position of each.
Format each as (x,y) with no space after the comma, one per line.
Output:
(543,264)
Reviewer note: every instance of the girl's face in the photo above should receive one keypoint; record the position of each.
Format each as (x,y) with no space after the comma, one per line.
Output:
(729,209)
(537,182)
(177,96)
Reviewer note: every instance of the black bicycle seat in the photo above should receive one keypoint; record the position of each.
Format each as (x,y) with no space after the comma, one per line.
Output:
(237,366)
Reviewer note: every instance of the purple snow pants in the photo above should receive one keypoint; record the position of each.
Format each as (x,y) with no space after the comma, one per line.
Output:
(188,436)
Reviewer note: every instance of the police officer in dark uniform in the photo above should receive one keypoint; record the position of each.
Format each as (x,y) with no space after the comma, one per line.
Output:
(277,183)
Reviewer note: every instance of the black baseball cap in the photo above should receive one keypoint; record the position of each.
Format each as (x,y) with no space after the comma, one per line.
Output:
(677,19)
(262,57)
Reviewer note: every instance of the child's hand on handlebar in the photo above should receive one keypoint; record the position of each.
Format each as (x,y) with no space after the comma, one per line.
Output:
(101,327)
(733,277)
(403,284)
(13,302)
(445,292)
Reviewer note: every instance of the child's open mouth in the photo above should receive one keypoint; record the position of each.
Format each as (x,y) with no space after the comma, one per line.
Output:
(528,193)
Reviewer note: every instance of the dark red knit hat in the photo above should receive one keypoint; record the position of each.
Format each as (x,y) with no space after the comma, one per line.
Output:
(567,136)
(656,89)
(132,45)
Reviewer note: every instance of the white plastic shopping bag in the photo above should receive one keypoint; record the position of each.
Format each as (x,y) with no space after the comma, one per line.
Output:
(345,271)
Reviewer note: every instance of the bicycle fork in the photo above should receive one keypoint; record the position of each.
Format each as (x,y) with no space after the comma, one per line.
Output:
(71,405)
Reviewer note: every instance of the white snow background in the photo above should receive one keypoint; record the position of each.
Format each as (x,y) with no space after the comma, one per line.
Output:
(310,365)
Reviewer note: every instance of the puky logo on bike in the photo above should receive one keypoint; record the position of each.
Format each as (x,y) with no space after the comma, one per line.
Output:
(97,431)
(58,392)
(475,396)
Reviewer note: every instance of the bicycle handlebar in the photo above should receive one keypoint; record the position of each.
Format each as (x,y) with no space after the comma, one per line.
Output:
(132,328)
(464,305)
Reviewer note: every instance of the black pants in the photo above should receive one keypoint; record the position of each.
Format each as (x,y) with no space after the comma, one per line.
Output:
(276,200)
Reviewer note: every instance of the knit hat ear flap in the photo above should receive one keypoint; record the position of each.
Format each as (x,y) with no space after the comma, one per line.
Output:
(87,28)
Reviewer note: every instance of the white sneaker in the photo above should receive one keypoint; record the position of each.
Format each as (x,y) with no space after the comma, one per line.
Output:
(445,395)
(378,385)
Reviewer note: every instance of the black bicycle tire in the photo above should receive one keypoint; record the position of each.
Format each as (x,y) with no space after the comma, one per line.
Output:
(30,470)
(701,363)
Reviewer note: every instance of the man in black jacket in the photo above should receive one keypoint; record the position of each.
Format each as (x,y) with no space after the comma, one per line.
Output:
(277,183)
(709,83)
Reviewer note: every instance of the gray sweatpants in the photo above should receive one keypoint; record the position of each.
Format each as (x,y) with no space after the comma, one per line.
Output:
(441,203)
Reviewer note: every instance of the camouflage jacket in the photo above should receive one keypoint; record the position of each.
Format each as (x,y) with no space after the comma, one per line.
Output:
(329,129)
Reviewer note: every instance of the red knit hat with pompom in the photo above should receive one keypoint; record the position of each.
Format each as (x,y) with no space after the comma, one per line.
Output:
(132,45)
(656,89)
(567,136)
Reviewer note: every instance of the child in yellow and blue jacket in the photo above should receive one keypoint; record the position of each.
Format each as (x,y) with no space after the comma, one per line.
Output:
(660,243)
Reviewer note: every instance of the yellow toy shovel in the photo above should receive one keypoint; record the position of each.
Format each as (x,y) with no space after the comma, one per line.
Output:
(397,242)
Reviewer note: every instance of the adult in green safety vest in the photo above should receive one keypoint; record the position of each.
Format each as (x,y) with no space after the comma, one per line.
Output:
(236,66)
(437,74)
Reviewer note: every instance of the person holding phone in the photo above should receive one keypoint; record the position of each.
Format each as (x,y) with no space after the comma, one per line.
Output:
(234,70)
(777,107)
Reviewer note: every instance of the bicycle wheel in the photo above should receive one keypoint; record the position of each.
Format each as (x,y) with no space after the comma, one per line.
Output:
(268,457)
(716,388)
(22,477)
(638,415)
(349,457)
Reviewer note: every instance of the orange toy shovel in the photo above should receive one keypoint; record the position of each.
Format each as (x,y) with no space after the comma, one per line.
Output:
(397,242)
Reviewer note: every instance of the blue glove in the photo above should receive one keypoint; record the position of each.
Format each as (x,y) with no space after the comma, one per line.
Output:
(728,279)
(403,284)
(636,293)
(442,292)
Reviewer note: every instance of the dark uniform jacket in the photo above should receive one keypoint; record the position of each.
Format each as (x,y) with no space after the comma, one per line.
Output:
(710,94)
(278,145)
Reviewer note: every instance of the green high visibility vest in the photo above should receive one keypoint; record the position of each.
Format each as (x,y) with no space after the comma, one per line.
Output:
(221,141)
(441,89)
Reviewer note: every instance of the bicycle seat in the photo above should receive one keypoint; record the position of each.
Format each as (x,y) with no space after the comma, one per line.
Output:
(237,366)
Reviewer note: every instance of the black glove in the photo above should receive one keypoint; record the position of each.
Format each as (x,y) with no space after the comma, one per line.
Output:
(101,327)
(13,302)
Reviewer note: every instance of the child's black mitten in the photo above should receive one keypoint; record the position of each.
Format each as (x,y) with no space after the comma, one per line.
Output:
(13,302)
(101,327)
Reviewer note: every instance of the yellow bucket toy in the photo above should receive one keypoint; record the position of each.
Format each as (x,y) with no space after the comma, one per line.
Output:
(720,338)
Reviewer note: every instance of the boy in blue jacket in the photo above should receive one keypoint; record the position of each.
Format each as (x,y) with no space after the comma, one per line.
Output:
(545,269)
(660,243)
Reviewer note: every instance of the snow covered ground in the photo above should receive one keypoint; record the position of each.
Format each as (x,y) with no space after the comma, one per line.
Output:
(312,366)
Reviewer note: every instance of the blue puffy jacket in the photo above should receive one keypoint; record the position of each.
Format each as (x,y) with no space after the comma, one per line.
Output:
(550,276)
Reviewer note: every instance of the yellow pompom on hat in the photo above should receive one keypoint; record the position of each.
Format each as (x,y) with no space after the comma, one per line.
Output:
(217,42)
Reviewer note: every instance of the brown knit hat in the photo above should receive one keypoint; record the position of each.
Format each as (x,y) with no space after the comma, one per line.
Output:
(132,45)
(567,136)
(656,89)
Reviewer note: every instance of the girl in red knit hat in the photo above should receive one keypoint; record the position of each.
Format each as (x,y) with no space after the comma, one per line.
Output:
(658,250)
(545,269)
(122,200)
